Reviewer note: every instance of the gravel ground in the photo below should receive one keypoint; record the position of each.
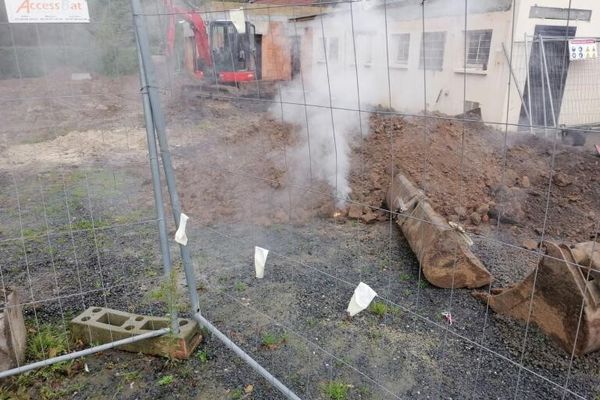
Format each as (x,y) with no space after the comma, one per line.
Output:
(293,321)
(410,352)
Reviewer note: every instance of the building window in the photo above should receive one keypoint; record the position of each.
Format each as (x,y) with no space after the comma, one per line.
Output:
(320,46)
(432,51)
(478,48)
(333,49)
(400,47)
(364,48)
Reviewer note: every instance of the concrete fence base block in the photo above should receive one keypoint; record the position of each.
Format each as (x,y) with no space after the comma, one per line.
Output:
(99,325)
(13,336)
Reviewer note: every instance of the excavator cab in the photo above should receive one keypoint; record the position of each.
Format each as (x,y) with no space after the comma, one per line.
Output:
(233,53)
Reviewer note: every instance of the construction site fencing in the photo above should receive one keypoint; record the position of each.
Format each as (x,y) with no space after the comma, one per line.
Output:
(109,147)
(77,229)
(544,71)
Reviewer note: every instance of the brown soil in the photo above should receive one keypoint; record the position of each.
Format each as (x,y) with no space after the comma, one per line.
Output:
(60,121)
(243,155)
(41,109)
(461,178)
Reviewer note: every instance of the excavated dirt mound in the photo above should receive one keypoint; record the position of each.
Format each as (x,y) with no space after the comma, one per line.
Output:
(469,177)
(472,173)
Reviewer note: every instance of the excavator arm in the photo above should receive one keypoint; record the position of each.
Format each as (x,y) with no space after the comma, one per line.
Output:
(228,59)
(201,42)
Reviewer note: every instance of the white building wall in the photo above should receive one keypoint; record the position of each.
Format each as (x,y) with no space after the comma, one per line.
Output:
(382,81)
(445,89)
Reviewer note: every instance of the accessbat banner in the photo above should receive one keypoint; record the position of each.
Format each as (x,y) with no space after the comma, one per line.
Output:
(47,11)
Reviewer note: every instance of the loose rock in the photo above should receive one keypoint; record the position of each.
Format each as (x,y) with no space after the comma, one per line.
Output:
(369,217)
(561,180)
(483,209)
(508,205)
(354,211)
(460,211)
(475,218)
(530,244)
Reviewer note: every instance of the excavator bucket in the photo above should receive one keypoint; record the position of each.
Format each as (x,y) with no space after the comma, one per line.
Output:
(561,296)
(442,249)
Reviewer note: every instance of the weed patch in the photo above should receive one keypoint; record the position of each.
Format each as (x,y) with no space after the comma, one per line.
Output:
(336,390)
(272,341)
(165,380)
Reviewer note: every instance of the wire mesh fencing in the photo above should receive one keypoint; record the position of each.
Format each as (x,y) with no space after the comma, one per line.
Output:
(287,127)
(298,160)
(548,82)
(78,226)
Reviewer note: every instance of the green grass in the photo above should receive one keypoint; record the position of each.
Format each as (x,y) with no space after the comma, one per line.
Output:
(88,225)
(31,233)
(272,340)
(240,286)
(202,356)
(311,322)
(237,394)
(165,380)
(48,341)
(336,390)
(18,394)
(49,135)
(404,277)
(384,263)
(49,393)
(168,293)
(379,308)
(423,284)
(60,370)
(132,376)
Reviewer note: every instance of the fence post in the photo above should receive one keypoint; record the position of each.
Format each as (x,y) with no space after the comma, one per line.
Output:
(528,84)
(512,72)
(156,187)
(543,50)
(158,119)
(541,54)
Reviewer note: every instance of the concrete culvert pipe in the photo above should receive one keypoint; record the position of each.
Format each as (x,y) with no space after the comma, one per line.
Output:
(442,250)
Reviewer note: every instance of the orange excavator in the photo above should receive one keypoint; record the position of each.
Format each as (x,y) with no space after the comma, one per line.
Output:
(219,51)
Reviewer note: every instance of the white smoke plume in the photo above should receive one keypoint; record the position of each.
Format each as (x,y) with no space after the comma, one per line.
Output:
(346,58)
(331,87)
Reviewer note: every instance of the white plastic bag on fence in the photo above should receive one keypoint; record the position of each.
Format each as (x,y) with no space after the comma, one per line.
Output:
(260,258)
(362,297)
(180,236)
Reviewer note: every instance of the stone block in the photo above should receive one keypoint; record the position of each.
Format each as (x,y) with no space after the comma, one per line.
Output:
(99,325)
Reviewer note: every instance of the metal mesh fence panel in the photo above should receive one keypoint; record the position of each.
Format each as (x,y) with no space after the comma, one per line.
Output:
(387,143)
